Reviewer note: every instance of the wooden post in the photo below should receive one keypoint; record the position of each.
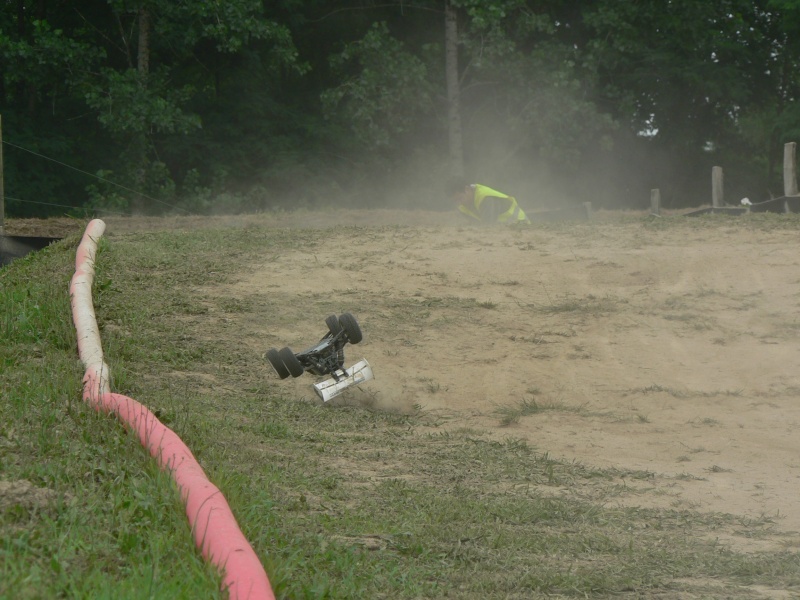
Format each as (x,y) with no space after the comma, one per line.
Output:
(2,189)
(789,169)
(454,130)
(655,202)
(716,188)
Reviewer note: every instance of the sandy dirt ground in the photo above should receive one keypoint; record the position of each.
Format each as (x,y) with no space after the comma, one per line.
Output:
(673,351)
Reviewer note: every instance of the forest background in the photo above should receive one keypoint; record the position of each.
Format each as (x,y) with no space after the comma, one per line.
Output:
(158,106)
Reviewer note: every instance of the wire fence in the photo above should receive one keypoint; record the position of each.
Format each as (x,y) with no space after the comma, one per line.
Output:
(23,201)
(93,175)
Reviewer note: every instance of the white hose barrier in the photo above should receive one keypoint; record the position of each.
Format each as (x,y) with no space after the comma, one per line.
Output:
(214,527)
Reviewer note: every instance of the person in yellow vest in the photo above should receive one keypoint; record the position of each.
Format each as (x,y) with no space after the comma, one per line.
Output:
(486,205)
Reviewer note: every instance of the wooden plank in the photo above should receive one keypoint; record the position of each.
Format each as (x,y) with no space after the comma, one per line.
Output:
(655,202)
(717,196)
(789,169)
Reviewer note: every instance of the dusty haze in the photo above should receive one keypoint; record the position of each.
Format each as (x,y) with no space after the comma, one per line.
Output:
(673,351)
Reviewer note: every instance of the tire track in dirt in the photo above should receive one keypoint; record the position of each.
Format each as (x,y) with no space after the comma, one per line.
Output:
(649,349)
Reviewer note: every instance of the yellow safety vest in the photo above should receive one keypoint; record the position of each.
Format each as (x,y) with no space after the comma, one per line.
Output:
(514,214)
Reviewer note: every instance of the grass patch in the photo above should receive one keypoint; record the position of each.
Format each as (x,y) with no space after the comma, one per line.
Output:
(338,502)
(83,511)
(588,305)
(678,393)
(510,415)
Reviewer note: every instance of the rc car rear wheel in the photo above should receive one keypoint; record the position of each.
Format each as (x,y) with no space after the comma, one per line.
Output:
(275,360)
(333,324)
(290,360)
(351,328)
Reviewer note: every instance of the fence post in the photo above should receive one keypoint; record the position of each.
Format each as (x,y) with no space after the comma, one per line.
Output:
(655,202)
(789,172)
(2,189)
(716,187)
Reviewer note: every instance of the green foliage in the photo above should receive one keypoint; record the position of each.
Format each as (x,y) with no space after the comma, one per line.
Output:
(86,513)
(230,26)
(701,82)
(46,57)
(597,101)
(388,90)
(129,102)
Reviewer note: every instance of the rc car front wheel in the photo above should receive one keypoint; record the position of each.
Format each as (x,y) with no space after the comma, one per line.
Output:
(351,328)
(333,324)
(290,360)
(274,358)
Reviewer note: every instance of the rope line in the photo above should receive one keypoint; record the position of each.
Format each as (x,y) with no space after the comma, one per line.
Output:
(59,205)
(108,181)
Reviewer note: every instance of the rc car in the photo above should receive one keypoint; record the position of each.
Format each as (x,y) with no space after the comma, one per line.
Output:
(325,358)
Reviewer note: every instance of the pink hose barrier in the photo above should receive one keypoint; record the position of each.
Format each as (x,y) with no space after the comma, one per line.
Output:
(214,527)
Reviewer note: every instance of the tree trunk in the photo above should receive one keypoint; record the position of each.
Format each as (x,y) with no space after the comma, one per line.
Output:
(139,144)
(25,89)
(2,188)
(455,138)
(143,58)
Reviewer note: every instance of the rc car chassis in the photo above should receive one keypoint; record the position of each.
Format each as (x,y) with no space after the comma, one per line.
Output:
(325,358)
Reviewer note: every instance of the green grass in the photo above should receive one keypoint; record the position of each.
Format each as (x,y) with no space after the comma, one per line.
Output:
(590,305)
(676,393)
(339,502)
(510,415)
(92,515)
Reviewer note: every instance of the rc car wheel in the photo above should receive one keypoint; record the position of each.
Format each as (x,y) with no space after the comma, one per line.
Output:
(290,360)
(351,328)
(333,324)
(274,359)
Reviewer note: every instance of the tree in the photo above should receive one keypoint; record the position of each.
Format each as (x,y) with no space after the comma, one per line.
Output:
(247,105)
(455,137)
(137,103)
(527,101)
(697,84)
(131,63)
(499,67)
(42,67)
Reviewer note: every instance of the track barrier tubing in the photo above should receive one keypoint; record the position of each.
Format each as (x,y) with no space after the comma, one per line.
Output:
(214,527)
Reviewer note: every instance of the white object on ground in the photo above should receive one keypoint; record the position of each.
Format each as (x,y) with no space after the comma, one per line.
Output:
(358,373)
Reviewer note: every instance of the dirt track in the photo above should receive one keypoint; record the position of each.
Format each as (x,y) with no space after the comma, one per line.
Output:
(671,350)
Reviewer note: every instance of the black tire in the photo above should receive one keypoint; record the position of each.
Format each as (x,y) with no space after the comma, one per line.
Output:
(333,324)
(290,360)
(351,328)
(274,358)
